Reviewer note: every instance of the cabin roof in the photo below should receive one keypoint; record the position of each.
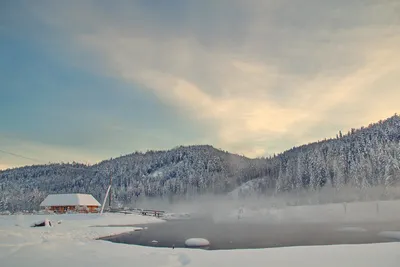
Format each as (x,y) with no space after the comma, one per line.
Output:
(69,200)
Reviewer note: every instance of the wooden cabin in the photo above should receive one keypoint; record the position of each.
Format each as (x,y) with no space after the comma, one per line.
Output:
(62,203)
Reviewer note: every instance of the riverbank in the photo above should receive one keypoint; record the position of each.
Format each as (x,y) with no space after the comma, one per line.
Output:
(72,243)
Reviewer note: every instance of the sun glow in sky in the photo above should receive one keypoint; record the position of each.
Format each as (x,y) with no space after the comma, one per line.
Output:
(90,80)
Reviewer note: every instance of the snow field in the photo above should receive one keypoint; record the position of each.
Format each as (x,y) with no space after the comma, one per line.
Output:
(72,243)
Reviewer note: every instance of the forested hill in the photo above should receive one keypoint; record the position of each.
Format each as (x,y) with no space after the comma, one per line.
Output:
(362,158)
(181,171)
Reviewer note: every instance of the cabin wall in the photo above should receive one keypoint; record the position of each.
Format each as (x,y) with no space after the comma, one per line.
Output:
(81,209)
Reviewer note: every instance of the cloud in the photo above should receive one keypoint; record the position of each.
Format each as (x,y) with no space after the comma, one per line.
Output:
(242,108)
(265,73)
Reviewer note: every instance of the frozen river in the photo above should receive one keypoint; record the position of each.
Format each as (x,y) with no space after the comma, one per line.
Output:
(242,235)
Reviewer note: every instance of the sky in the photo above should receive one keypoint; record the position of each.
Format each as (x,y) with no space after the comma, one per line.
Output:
(88,80)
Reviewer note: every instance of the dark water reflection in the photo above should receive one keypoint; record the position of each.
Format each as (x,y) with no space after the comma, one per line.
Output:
(240,235)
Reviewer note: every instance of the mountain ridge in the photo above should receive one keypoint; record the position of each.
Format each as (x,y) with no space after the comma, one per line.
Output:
(363,158)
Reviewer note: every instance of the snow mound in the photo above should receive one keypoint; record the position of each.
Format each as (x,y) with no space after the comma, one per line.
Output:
(197,242)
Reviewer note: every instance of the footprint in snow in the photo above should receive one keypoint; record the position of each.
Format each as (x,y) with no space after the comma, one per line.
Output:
(178,260)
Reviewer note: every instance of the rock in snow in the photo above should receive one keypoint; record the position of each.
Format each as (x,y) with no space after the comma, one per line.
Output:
(45,223)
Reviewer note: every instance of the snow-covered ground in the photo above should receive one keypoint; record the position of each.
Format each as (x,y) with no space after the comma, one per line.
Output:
(72,243)
(69,226)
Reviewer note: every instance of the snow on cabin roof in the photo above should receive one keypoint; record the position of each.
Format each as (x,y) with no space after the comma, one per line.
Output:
(69,200)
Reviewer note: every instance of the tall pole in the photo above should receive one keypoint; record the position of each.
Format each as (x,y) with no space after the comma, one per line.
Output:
(109,203)
(105,199)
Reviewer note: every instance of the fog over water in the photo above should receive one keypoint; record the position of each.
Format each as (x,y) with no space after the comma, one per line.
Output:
(307,206)
(231,223)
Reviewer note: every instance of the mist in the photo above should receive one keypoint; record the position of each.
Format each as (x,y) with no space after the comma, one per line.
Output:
(327,204)
(325,217)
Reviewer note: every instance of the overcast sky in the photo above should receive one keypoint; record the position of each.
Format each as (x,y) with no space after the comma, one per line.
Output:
(90,80)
